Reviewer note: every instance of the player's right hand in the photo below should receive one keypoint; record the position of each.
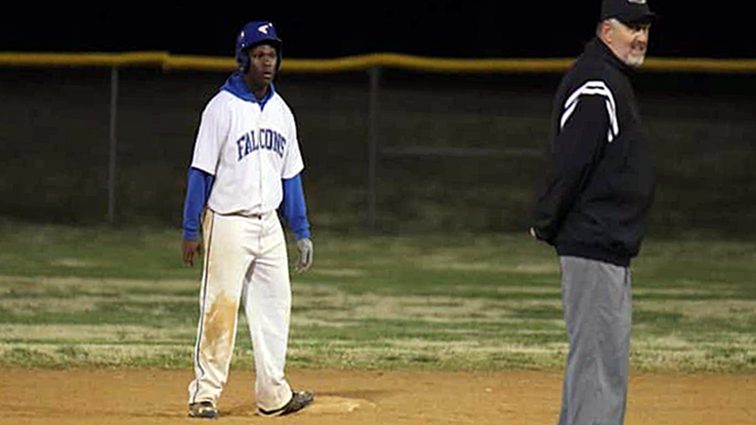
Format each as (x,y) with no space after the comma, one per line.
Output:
(189,250)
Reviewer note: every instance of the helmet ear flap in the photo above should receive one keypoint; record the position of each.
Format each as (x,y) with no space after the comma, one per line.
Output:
(243,61)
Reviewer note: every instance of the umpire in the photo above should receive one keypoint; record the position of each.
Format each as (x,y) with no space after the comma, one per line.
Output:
(593,210)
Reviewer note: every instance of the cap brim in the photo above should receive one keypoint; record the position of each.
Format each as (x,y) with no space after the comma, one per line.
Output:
(645,18)
(275,43)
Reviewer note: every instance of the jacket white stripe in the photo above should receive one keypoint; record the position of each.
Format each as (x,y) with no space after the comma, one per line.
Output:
(592,88)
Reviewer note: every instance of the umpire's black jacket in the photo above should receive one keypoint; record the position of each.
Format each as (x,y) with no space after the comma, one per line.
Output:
(601,180)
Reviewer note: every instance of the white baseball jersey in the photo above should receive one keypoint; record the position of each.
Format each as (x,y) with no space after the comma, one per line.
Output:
(248,150)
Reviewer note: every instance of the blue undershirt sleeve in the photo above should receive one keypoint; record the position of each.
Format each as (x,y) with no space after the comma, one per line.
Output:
(197,192)
(293,207)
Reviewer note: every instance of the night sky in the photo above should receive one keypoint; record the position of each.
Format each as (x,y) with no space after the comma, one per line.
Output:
(330,29)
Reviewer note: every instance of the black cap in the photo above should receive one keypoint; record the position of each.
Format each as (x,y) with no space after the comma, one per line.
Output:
(627,11)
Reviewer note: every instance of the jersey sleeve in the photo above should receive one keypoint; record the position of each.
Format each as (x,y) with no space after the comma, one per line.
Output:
(293,163)
(575,151)
(293,207)
(199,184)
(211,134)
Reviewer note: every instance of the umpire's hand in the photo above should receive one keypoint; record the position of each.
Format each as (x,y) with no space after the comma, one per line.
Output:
(189,250)
(304,246)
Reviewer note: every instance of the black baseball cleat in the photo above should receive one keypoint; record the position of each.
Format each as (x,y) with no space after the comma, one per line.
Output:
(204,410)
(299,400)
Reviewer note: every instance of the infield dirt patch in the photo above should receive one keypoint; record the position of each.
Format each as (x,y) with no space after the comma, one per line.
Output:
(125,396)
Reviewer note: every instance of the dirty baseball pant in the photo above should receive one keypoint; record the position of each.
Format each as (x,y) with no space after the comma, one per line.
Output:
(597,302)
(245,262)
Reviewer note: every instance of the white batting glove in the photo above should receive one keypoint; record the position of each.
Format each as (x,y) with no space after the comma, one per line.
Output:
(304,246)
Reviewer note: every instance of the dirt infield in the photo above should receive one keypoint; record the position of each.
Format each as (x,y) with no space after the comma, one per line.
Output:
(365,397)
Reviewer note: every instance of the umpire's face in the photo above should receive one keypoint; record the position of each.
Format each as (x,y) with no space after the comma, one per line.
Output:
(262,64)
(628,41)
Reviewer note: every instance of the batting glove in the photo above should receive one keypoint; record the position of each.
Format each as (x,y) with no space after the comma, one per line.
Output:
(304,246)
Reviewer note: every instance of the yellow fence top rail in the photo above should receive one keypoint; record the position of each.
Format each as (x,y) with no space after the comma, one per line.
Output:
(173,62)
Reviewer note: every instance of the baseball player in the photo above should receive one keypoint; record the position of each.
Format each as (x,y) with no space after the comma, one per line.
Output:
(593,210)
(245,171)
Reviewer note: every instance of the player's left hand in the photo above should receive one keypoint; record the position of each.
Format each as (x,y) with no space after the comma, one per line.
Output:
(304,246)
(190,250)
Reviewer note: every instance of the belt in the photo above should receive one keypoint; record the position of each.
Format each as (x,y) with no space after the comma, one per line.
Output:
(258,216)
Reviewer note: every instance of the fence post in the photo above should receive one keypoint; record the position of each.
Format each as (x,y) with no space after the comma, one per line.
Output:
(372,144)
(112,144)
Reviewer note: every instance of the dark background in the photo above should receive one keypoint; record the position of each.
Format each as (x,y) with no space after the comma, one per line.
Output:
(54,147)
(332,29)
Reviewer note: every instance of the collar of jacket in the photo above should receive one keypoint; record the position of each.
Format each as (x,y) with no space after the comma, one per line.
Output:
(597,48)
(235,85)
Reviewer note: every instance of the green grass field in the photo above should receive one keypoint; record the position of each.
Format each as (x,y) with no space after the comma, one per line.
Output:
(96,296)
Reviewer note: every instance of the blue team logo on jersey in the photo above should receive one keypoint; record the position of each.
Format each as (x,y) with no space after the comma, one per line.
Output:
(263,138)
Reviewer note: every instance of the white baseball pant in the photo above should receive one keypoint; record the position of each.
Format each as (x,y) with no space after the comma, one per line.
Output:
(245,261)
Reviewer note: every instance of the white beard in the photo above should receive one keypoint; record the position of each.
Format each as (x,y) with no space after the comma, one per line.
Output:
(635,60)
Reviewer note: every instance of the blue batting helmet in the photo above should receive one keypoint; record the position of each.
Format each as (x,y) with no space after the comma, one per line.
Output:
(255,33)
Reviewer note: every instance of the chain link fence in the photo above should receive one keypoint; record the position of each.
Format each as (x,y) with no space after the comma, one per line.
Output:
(418,152)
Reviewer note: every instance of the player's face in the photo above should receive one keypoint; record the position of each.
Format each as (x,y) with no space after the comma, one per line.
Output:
(262,64)
(629,42)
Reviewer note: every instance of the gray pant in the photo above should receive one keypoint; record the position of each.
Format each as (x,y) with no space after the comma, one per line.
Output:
(598,313)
